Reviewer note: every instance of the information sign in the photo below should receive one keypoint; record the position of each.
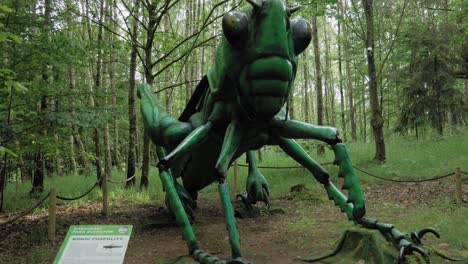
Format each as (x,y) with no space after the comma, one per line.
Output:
(94,244)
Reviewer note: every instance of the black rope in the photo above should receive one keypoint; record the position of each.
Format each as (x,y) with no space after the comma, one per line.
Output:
(361,170)
(26,212)
(466,173)
(125,181)
(78,197)
(282,167)
(394,180)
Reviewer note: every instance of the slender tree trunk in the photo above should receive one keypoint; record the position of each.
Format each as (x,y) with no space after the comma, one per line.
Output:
(292,113)
(4,164)
(71,85)
(81,149)
(38,180)
(72,156)
(377,121)
(58,159)
(349,88)
(340,72)
(364,111)
(151,26)
(306,89)
(105,85)
(187,33)
(328,79)
(115,127)
(318,74)
(97,85)
(132,133)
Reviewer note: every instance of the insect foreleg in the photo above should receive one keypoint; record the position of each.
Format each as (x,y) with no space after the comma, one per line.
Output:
(231,143)
(195,138)
(297,129)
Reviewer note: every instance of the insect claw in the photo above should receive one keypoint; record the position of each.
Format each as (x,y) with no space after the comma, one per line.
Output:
(401,256)
(244,199)
(421,252)
(267,199)
(428,230)
(416,238)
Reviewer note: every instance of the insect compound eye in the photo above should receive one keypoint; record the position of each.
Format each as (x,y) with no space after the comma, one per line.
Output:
(236,28)
(302,34)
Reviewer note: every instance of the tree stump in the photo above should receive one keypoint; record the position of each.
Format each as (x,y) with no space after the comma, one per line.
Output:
(358,245)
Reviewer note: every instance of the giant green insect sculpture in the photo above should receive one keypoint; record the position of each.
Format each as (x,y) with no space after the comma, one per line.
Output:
(239,107)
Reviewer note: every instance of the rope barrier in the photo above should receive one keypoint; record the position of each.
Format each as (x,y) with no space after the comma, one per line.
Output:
(406,181)
(26,212)
(125,181)
(282,167)
(78,197)
(361,170)
(61,198)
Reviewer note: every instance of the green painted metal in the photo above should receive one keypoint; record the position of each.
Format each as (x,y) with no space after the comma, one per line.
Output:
(234,237)
(178,210)
(238,107)
(257,186)
(351,182)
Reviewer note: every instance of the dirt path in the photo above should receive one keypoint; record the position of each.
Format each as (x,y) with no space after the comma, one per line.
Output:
(277,238)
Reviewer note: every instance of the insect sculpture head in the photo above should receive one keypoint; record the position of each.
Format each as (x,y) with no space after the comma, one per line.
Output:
(258,54)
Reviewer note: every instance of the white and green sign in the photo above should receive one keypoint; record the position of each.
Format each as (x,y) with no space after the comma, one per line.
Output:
(94,244)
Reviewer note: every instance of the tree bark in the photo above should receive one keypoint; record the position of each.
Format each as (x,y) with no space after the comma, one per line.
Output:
(97,85)
(306,89)
(72,156)
(318,75)
(132,140)
(376,121)
(105,85)
(38,180)
(349,81)
(327,80)
(340,72)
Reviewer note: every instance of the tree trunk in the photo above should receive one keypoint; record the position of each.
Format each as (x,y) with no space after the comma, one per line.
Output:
(4,165)
(38,181)
(318,74)
(152,22)
(105,85)
(376,121)
(306,89)
(349,88)
(340,72)
(292,114)
(132,140)
(72,156)
(146,162)
(97,85)
(328,86)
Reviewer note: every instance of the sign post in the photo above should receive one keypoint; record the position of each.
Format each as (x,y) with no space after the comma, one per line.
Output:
(94,244)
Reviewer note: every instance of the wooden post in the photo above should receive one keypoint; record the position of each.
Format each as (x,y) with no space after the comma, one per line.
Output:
(52,214)
(104,194)
(236,172)
(458,186)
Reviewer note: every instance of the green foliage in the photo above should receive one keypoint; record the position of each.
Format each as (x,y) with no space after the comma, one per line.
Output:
(431,95)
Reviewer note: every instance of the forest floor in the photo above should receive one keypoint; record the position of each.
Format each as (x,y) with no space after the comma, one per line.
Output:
(309,223)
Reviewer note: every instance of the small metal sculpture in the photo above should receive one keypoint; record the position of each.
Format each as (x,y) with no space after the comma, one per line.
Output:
(238,107)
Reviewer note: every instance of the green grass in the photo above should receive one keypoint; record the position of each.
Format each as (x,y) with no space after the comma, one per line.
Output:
(18,196)
(406,159)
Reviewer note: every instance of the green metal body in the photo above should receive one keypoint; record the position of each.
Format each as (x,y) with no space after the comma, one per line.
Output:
(238,107)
